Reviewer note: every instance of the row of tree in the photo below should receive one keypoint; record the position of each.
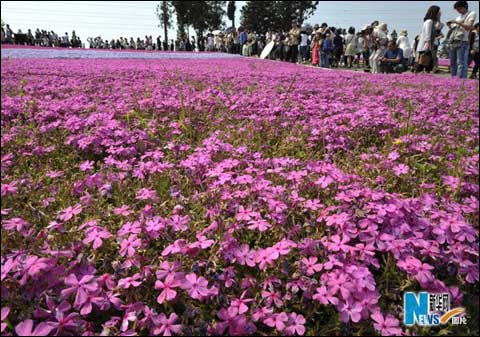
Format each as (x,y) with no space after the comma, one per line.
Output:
(258,16)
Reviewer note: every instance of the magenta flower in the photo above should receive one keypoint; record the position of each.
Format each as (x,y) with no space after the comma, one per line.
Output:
(239,306)
(17,224)
(131,281)
(96,235)
(197,286)
(128,246)
(26,329)
(350,311)
(5,312)
(311,265)
(167,287)
(124,210)
(166,326)
(393,155)
(34,265)
(388,326)
(265,257)
(81,288)
(10,188)
(325,296)
(179,223)
(146,194)
(246,214)
(296,324)
(69,212)
(272,297)
(324,181)
(166,268)
(86,166)
(244,256)
(276,321)
(259,224)
(400,169)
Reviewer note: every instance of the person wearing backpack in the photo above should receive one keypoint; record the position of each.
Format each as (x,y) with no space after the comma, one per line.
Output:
(458,39)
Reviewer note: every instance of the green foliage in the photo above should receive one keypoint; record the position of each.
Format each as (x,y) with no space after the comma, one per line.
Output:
(164,14)
(261,16)
(231,12)
(202,15)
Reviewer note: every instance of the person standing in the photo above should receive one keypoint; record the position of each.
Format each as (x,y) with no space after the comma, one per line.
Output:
(459,52)
(424,48)
(337,47)
(236,41)
(303,45)
(243,38)
(436,44)
(404,44)
(315,46)
(8,34)
(366,33)
(326,47)
(474,52)
(293,42)
(351,42)
(65,40)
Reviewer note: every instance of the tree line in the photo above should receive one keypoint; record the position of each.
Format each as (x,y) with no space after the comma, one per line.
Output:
(258,16)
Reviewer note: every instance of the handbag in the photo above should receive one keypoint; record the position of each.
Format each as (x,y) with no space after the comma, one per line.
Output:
(425,58)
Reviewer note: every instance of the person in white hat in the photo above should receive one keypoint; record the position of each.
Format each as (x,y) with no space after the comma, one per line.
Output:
(366,35)
(404,44)
(380,40)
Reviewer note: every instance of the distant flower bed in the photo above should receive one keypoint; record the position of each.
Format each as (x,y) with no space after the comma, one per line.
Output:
(446,63)
(233,196)
(24,52)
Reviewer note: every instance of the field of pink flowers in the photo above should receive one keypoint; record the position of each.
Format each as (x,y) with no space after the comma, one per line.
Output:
(233,197)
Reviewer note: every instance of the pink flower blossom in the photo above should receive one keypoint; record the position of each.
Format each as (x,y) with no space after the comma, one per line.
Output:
(25,328)
(86,166)
(166,326)
(129,245)
(276,321)
(296,324)
(70,212)
(400,169)
(167,287)
(387,326)
(96,235)
(197,286)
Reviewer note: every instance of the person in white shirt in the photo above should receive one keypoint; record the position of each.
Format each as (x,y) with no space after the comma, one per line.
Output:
(459,54)
(380,40)
(303,45)
(404,44)
(210,42)
(65,40)
(351,42)
(427,36)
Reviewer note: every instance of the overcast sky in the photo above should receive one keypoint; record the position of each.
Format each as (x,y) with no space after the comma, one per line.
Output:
(112,19)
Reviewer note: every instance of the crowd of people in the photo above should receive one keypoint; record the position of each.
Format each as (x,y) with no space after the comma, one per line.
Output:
(41,38)
(372,48)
